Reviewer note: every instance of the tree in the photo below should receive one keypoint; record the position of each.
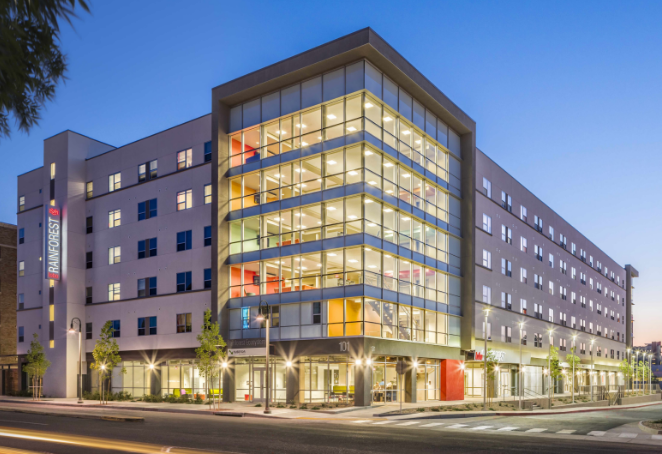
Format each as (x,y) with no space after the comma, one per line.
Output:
(625,367)
(571,359)
(492,364)
(554,368)
(36,366)
(106,357)
(32,63)
(210,353)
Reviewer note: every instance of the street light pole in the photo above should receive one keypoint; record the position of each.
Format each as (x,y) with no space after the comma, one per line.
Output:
(265,317)
(487,313)
(630,361)
(590,375)
(549,370)
(636,368)
(574,338)
(650,374)
(521,373)
(80,355)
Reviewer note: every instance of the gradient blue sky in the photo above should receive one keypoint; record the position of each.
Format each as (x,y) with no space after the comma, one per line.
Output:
(566,95)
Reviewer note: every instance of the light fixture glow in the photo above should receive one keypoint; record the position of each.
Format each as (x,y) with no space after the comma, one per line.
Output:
(358,362)
(387,210)
(331,208)
(351,129)
(368,105)
(387,119)
(288,364)
(406,132)
(367,153)
(388,164)
(353,172)
(332,162)
(331,117)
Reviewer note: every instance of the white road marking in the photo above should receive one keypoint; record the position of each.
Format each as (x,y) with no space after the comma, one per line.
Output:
(434,424)
(566,431)
(407,423)
(24,422)
(382,422)
(627,435)
(480,427)
(656,437)
(536,430)
(361,421)
(507,429)
(597,433)
(456,426)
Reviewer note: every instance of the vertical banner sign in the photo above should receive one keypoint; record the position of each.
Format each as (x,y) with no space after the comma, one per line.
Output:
(53,243)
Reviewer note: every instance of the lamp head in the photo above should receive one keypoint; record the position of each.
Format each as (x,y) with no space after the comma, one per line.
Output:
(224,364)
(151,367)
(359,362)
(288,364)
(72,330)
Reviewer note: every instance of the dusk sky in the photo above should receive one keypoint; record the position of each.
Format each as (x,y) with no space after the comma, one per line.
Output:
(566,95)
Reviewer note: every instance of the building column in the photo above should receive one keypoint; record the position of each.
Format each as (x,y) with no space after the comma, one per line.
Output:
(155,380)
(410,384)
(228,383)
(292,383)
(362,386)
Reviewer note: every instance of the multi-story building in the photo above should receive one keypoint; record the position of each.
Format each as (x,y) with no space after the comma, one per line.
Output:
(121,235)
(8,335)
(343,182)
(654,349)
(546,283)
(347,204)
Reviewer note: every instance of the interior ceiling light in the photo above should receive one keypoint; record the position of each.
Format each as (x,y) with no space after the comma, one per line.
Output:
(331,117)
(368,105)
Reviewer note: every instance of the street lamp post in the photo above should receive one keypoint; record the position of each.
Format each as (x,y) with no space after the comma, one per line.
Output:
(650,373)
(630,360)
(590,375)
(574,338)
(549,369)
(264,316)
(636,368)
(80,355)
(487,313)
(521,372)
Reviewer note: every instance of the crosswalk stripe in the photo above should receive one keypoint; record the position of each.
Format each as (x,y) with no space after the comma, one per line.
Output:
(507,429)
(407,423)
(382,422)
(480,427)
(566,431)
(597,433)
(434,424)
(656,437)
(537,430)
(627,435)
(361,421)
(456,426)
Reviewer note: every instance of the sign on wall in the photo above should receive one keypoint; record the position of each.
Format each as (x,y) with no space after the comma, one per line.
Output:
(53,243)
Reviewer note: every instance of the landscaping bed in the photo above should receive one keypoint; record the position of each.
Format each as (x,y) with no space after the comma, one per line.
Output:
(656,425)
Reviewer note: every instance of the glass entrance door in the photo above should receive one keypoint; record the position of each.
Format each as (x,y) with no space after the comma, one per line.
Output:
(259,391)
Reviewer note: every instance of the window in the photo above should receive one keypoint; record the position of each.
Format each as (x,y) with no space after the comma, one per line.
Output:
(21,333)
(487,223)
(88,295)
(487,295)
(522,213)
(184,159)
(115,327)
(537,309)
(184,240)
(487,259)
(114,292)
(574,249)
(146,287)
(582,302)
(208,235)
(563,241)
(21,268)
(89,225)
(506,234)
(21,301)
(563,267)
(506,268)
(184,282)
(207,194)
(487,187)
(207,151)
(114,255)
(489,331)
(551,315)
(317,313)
(21,236)
(537,340)
(523,275)
(590,281)
(563,319)
(562,345)
(114,218)
(551,288)
(506,201)
(523,244)
(506,301)
(147,209)
(538,223)
(184,200)
(88,330)
(538,252)
(114,181)
(537,281)
(573,322)
(573,297)
(522,306)
(184,324)
(551,233)
(147,171)
(207,278)
(21,203)
(582,278)
(590,260)
(146,326)
(89,190)
(573,273)
(551,260)
(147,248)
(506,334)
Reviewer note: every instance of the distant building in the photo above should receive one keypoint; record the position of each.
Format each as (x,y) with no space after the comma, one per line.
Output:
(655,348)
(8,365)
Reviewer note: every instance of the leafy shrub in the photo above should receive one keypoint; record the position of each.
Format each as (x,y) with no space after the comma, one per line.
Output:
(436,409)
(198,400)
(293,407)
(21,393)
(420,409)
(185,399)
(316,408)
(258,405)
(152,398)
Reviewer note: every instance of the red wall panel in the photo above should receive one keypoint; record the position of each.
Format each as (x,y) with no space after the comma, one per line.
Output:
(451,376)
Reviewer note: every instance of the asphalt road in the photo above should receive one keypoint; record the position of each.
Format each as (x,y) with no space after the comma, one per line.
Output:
(167,432)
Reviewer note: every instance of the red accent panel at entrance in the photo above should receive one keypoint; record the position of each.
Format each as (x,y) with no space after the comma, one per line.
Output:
(451,375)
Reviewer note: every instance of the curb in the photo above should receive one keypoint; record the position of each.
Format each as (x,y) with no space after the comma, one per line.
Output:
(78,416)
(647,429)
(238,414)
